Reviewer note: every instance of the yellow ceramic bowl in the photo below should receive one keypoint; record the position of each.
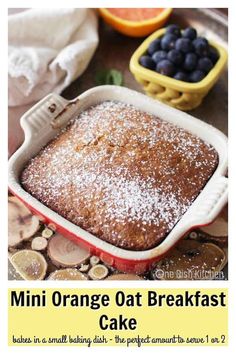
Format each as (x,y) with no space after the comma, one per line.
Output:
(135,28)
(179,94)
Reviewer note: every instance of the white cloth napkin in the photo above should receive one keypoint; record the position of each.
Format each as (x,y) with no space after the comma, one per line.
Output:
(48,49)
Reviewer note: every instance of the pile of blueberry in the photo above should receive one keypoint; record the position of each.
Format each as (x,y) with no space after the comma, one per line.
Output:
(181,55)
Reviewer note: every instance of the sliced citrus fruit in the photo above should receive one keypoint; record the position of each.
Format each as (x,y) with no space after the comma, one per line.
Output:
(135,14)
(135,22)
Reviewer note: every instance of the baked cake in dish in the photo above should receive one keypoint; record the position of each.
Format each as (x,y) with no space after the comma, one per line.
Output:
(123,175)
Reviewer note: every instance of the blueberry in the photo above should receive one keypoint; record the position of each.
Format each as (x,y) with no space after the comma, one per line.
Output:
(174,29)
(205,64)
(165,67)
(175,56)
(168,41)
(180,75)
(190,61)
(154,46)
(184,45)
(159,55)
(213,54)
(201,46)
(190,33)
(196,76)
(147,62)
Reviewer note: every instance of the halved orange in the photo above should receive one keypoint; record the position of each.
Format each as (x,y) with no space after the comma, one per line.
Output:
(135,22)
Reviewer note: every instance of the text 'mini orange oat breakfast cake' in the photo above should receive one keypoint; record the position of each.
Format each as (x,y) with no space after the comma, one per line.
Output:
(123,175)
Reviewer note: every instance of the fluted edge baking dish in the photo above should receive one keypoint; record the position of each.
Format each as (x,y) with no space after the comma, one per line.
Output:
(43,121)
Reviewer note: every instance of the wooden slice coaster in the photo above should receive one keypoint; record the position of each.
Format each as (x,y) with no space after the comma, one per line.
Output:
(191,260)
(124,277)
(21,223)
(84,268)
(219,228)
(47,233)
(39,243)
(66,253)
(94,260)
(225,250)
(31,265)
(98,272)
(67,274)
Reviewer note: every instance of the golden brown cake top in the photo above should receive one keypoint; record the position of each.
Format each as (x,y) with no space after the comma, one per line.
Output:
(122,174)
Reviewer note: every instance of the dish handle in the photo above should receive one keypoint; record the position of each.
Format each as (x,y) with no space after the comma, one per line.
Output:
(45,114)
(210,202)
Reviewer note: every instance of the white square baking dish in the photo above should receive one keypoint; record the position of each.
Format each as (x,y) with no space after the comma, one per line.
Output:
(42,122)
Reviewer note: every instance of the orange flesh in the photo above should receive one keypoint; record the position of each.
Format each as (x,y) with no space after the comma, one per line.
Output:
(135,14)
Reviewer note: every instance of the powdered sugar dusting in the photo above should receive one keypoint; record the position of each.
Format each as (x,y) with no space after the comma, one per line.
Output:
(121,173)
